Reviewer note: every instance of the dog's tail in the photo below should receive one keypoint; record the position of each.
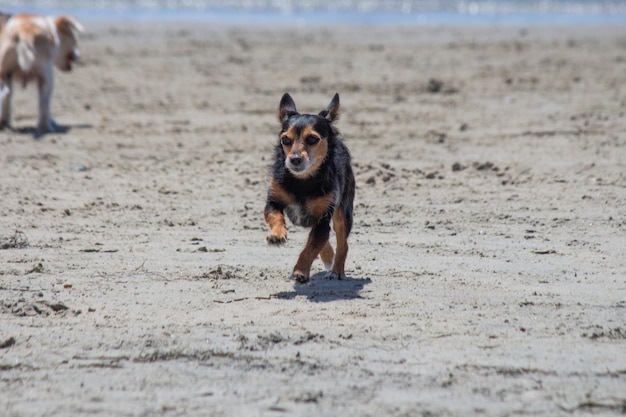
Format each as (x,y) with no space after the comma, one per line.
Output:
(26,54)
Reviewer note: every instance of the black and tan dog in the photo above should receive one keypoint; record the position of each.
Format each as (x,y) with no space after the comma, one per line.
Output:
(312,182)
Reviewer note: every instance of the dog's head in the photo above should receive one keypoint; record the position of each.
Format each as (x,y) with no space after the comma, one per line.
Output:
(304,138)
(68,29)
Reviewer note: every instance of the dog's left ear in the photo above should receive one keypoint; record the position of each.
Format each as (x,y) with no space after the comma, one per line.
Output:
(332,111)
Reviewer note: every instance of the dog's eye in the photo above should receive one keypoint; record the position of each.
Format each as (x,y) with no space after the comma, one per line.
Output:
(286,141)
(312,140)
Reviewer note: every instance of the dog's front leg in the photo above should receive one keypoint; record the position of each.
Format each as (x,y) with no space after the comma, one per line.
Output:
(6,91)
(45,83)
(318,238)
(275,220)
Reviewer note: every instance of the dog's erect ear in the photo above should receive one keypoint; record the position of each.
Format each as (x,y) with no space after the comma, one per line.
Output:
(332,111)
(287,108)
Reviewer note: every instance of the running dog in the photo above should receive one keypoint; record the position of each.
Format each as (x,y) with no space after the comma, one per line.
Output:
(312,182)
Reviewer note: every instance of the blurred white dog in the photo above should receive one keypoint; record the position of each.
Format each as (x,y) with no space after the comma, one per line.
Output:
(30,46)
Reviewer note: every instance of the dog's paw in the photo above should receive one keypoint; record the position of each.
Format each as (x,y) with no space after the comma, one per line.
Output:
(275,240)
(42,129)
(332,275)
(300,278)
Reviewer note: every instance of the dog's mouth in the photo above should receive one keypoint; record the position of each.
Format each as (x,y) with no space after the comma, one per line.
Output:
(299,170)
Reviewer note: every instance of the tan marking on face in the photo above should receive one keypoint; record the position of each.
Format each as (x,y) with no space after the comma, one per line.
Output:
(318,152)
(312,155)
(291,135)
(307,131)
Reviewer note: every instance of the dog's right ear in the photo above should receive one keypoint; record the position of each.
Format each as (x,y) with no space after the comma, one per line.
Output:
(287,108)
(70,25)
(331,113)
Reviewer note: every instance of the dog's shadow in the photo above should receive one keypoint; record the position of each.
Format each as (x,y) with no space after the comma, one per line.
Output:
(58,130)
(320,289)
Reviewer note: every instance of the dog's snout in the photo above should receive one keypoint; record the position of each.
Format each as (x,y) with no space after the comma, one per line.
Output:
(295,160)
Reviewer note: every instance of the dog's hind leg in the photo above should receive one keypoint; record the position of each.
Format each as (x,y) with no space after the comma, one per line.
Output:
(6,91)
(342,229)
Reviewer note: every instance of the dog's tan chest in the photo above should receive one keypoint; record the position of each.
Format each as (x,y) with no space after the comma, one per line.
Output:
(311,210)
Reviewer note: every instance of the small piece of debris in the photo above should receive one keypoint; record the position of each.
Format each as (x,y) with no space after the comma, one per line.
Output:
(37,268)
(544,252)
(434,86)
(56,307)
(7,343)
(485,166)
(458,167)
(78,168)
(17,241)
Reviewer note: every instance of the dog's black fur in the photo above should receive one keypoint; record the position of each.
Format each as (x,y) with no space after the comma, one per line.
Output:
(313,183)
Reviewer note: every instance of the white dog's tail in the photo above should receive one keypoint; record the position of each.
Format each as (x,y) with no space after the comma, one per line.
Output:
(26,54)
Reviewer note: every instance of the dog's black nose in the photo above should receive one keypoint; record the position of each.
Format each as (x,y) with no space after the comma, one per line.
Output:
(296,160)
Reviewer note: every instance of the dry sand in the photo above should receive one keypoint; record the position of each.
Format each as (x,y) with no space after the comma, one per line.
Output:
(487,267)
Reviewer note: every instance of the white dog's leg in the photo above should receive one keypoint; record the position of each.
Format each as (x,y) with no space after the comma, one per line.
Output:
(6,91)
(45,124)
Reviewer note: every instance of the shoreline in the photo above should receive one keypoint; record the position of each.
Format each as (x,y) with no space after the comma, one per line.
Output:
(344,18)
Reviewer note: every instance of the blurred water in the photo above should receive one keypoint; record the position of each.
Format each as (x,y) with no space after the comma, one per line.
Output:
(381,12)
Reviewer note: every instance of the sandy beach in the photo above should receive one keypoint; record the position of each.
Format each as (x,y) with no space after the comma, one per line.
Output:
(487,264)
